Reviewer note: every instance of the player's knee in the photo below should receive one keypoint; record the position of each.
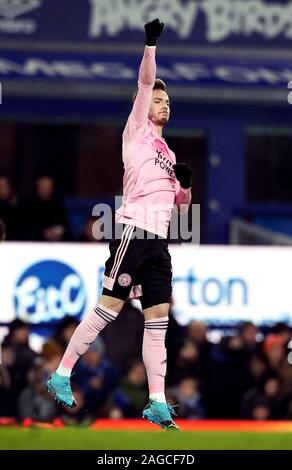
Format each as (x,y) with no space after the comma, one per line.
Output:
(156,311)
(112,303)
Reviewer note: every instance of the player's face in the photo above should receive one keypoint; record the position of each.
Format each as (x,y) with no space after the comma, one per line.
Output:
(160,108)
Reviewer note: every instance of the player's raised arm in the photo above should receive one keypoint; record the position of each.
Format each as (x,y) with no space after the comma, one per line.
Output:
(147,73)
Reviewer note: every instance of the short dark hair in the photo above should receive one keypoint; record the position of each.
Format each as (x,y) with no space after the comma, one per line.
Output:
(158,85)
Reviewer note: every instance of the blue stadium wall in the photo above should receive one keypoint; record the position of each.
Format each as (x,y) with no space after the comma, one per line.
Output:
(81,65)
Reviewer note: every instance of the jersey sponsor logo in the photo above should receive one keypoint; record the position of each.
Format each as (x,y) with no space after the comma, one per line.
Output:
(164,163)
(124,279)
(47,291)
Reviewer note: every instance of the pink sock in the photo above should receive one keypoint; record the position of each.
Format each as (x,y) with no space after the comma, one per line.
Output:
(84,335)
(154,353)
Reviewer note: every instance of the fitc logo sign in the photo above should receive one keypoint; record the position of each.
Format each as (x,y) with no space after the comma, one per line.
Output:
(49,290)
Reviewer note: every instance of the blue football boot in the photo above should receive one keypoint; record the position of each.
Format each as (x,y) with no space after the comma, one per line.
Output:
(60,387)
(160,413)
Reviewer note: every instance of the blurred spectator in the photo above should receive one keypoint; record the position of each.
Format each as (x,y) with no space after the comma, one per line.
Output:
(249,353)
(284,331)
(239,377)
(43,216)
(93,230)
(260,410)
(34,401)
(51,349)
(189,399)
(225,380)
(6,408)
(50,364)
(123,337)
(274,350)
(248,335)
(131,396)
(56,344)
(276,354)
(257,369)
(65,330)
(197,332)
(96,377)
(187,363)
(21,355)
(8,208)
(268,396)
(2,231)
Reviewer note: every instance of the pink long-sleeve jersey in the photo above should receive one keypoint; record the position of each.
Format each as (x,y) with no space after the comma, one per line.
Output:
(150,188)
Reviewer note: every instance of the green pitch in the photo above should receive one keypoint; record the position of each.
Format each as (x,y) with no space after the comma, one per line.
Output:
(84,438)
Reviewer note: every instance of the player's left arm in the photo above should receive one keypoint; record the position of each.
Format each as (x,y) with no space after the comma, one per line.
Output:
(147,73)
(183,196)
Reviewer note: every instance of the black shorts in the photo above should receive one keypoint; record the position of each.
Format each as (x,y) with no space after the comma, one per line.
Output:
(138,267)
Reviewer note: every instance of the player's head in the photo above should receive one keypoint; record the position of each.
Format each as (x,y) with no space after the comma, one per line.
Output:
(160,105)
(45,187)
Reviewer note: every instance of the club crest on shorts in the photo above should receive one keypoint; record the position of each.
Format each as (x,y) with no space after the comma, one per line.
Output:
(124,280)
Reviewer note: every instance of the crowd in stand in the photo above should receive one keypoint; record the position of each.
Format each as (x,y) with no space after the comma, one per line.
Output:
(38,216)
(243,376)
(246,375)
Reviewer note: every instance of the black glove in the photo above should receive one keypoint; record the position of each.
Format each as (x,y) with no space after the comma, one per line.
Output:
(183,174)
(153,29)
